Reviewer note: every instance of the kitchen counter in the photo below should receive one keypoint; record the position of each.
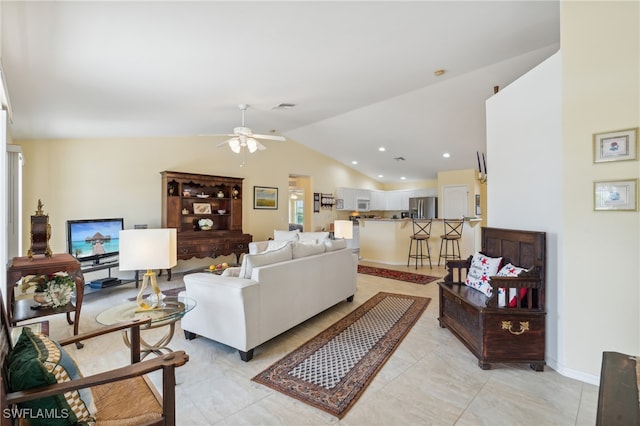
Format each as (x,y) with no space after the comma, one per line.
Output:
(385,240)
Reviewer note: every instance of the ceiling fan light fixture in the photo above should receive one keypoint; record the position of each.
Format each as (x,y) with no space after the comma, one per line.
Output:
(252,145)
(234,144)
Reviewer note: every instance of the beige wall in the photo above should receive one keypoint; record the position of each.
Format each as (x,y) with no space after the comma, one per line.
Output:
(81,179)
(600,92)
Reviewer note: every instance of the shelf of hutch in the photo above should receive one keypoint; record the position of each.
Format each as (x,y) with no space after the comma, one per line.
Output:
(187,198)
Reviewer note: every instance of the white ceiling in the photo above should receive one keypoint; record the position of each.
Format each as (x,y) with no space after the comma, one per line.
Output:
(360,73)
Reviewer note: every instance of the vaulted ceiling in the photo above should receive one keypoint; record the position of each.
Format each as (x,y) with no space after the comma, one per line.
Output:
(361,74)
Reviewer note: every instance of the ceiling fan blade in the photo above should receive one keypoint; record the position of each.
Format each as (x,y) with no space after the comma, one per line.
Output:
(270,137)
(225,143)
(260,146)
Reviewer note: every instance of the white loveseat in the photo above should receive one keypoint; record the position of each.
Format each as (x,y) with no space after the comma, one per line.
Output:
(274,291)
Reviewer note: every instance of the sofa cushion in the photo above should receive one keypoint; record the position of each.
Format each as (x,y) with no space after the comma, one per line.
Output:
(332,245)
(285,235)
(313,236)
(38,361)
(306,248)
(510,270)
(251,261)
(482,268)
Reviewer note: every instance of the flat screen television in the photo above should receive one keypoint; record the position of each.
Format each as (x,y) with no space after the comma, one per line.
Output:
(94,239)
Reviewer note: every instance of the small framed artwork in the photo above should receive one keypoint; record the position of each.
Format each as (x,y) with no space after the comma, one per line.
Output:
(615,146)
(478,209)
(616,195)
(201,208)
(265,198)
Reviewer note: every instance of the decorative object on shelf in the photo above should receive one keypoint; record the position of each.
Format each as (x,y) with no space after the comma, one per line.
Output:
(619,195)
(148,249)
(40,233)
(201,208)
(202,195)
(222,211)
(53,290)
(235,192)
(185,211)
(482,176)
(619,145)
(220,194)
(205,224)
(327,201)
(265,198)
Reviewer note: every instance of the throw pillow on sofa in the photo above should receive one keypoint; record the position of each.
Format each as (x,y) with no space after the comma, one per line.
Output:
(285,235)
(313,236)
(332,245)
(251,261)
(306,248)
(482,268)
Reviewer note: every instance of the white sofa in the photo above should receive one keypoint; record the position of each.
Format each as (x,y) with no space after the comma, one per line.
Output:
(271,294)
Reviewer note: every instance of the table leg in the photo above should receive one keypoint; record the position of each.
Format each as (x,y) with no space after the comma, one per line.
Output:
(147,348)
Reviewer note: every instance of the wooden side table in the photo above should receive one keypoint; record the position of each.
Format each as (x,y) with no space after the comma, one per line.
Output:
(21,310)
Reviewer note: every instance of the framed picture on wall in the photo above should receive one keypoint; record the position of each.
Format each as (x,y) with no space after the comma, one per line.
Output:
(265,198)
(615,195)
(619,145)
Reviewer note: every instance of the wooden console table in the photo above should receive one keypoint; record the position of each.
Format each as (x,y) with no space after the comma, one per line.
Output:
(21,310)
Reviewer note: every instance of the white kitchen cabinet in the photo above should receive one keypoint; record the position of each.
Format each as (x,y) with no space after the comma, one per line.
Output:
(378,200)
(348,196)
(393,200)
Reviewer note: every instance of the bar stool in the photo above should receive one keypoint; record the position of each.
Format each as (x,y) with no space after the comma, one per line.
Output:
(421,234)
(452,234)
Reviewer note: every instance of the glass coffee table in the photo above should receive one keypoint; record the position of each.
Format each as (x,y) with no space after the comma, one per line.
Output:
(174,308)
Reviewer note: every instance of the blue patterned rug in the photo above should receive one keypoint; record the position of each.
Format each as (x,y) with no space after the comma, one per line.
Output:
(332,370)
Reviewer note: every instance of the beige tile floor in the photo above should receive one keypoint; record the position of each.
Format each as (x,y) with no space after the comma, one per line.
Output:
(430,379)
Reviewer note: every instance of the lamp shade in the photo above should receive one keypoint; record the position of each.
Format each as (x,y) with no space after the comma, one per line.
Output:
(343,229)
(148,249)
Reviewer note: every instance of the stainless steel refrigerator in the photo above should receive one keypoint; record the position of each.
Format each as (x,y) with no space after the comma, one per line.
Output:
(423,207)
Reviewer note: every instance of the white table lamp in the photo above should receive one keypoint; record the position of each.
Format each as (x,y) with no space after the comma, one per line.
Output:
(148,249)
(343,229)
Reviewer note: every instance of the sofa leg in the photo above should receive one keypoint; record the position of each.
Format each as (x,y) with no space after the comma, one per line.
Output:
(246,356)
(350,299)
(189,335)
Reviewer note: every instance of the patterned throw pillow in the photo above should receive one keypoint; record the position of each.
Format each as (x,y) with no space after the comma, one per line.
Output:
(482,268)
(37,361)
(510,270)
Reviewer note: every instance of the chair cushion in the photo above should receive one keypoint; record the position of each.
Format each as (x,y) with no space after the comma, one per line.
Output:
(113,401)
(313,236)
(332,245)
(38,361)
(482,267)
(306,248)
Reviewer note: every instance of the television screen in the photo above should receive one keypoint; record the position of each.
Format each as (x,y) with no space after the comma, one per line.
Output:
(94,239)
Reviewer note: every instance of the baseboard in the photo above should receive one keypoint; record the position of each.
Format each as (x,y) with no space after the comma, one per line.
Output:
(574,374)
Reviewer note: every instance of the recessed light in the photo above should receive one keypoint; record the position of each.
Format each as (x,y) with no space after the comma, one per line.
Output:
(438,73)
(446,155)
(354,162)
(380,176)
(382,149)
(403,178)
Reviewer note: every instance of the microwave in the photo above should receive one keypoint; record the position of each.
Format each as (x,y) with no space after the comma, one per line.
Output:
(362,205)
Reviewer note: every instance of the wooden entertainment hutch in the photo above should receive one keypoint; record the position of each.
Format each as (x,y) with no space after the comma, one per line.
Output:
(188,197)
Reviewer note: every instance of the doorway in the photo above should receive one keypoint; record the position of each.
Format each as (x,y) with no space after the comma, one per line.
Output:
(455,203)
(299,193)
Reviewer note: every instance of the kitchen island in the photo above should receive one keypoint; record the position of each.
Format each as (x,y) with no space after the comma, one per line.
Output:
(387,240)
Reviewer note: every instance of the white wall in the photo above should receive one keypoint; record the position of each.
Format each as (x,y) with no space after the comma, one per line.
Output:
(540,146)
(524,188)
(98,178)
(600,92)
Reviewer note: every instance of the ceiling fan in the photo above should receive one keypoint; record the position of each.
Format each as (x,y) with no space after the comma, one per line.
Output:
(244,138)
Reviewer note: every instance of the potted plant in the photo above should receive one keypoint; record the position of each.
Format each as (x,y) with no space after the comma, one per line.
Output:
(53,290)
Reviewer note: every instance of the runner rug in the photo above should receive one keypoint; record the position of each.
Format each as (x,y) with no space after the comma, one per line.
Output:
(332,370)
(396,275)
